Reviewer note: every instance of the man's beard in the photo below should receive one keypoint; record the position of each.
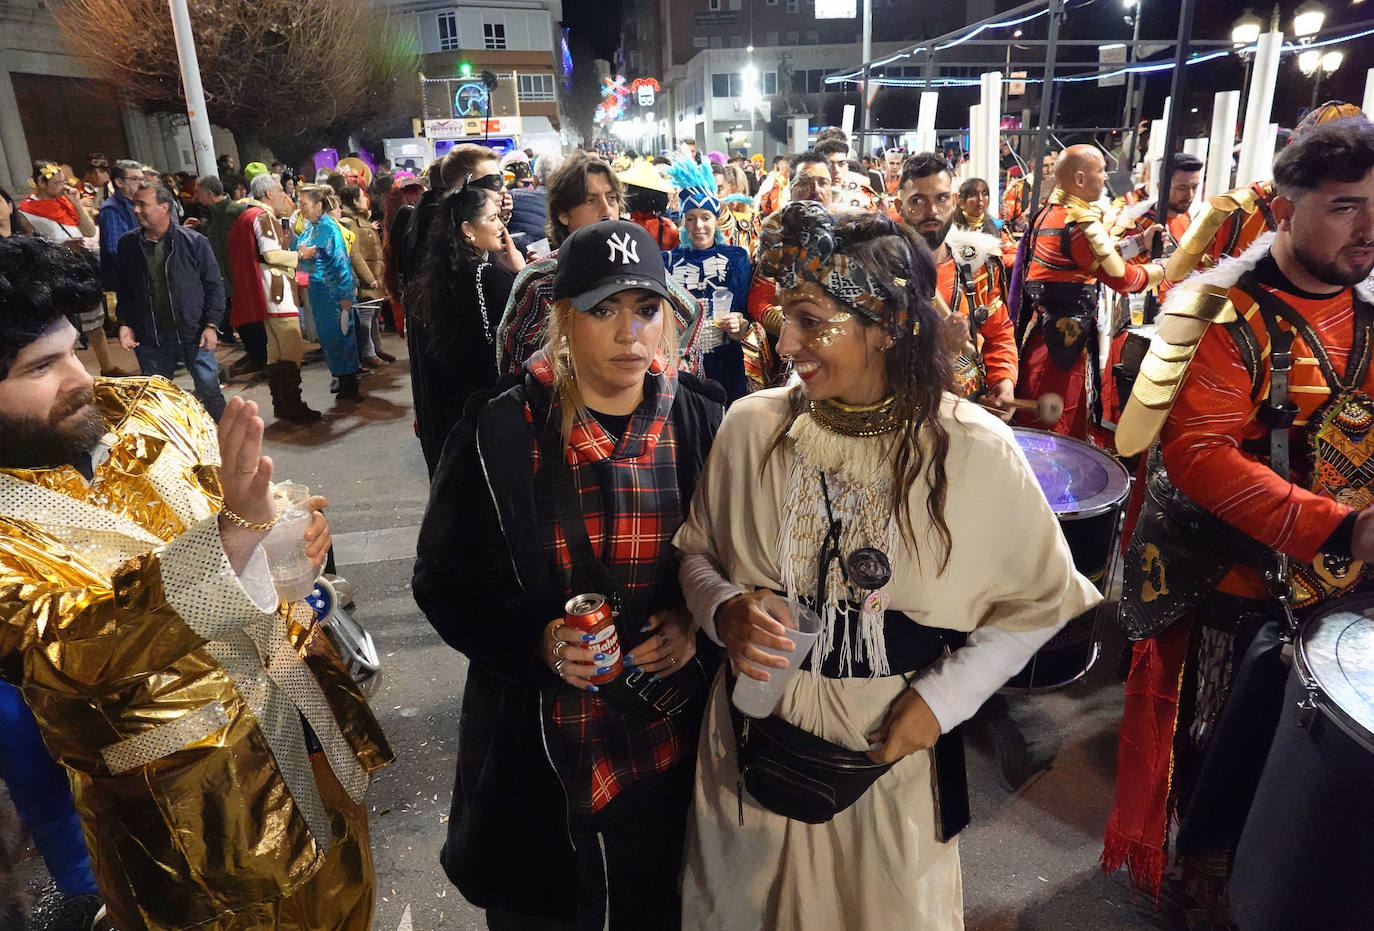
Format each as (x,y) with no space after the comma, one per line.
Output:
(933,237)
(1329,271)
(32,442)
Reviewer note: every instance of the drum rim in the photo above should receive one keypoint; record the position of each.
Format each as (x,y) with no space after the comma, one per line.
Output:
(1096,510)
(1310,680)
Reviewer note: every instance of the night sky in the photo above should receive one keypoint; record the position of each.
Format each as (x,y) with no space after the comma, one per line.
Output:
(597,20)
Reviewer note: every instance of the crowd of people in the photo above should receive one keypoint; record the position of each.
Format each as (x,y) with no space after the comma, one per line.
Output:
(708,401)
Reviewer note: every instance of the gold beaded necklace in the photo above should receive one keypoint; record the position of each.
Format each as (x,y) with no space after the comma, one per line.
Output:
(856,420)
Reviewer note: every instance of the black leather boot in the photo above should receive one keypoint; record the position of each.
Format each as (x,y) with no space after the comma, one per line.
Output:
(348,388)
(284,381)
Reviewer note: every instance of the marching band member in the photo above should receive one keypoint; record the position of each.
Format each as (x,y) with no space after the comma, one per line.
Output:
(1259,385)
(1068,254)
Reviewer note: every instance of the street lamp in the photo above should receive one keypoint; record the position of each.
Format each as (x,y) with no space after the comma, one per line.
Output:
(750,97)
(1308,21)
(1316,65)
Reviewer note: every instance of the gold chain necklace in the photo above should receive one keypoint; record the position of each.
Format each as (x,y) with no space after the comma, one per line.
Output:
(856,420)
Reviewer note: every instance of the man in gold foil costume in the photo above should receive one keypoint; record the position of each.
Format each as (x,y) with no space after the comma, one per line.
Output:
(218,750)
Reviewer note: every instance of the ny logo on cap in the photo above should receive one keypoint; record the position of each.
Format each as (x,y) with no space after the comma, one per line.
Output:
(627,247)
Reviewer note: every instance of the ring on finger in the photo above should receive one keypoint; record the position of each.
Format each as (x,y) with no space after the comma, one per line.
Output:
(558,646)
(558,666)
(672,661)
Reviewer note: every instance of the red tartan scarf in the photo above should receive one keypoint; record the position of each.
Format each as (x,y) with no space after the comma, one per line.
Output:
(57,209)
(1138,827)
(250,302)
(627,492)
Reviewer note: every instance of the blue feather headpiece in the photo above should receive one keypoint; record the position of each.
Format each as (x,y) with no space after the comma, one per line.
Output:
(696,185)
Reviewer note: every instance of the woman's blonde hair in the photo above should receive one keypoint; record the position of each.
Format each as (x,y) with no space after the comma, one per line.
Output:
(557,343)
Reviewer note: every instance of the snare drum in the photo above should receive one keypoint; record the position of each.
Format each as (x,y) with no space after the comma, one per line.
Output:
(1087,490)
(1306,857)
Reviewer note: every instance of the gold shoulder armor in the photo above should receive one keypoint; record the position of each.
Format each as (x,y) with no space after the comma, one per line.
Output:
(1186,318)
(1099,240)
(1204,229)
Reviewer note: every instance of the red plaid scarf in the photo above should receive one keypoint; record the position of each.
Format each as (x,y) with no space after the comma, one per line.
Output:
(627,492)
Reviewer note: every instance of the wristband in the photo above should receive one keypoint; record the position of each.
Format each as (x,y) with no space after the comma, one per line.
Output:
(259,526)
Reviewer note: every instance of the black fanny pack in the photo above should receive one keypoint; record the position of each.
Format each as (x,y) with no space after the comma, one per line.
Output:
(799,775)
(796,774)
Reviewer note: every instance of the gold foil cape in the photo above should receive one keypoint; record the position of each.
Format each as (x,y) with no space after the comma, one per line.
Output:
(173,700)
(1186,318)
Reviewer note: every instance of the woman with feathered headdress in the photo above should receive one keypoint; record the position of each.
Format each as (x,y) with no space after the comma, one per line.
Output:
(714,272)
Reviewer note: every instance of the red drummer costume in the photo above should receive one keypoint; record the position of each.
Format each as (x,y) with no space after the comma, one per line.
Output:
(972,280)
(1260,392)
(1069,253)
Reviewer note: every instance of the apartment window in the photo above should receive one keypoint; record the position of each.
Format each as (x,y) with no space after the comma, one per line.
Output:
(772,2)
(736,42)
(535,88)
(700,42)
(734,4)
(792,6)
(494,35)
(716,42)
(770,37)
(448,31)
(793,37)
(813,36)
(713,4)
(770,83)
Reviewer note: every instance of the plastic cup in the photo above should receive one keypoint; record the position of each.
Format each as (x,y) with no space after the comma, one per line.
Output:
(722,303)
(760,699)
(293,574)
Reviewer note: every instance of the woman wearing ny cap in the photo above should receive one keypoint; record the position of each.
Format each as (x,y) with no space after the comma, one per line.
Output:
(902,494)
(571,797)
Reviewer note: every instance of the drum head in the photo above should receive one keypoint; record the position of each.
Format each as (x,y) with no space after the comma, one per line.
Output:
(1337,657)
(1078,480)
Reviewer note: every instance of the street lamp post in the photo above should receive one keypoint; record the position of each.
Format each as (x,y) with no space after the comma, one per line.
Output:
(1317,65)
(1128,115)
(1245,32)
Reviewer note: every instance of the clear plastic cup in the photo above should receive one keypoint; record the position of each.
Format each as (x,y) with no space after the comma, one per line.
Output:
(293,574)
(760,699)
(722,303)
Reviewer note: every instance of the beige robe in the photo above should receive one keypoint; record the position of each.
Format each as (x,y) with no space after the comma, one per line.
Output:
(878,863)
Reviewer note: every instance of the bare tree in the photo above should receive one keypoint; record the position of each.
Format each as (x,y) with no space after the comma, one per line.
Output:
(278,68)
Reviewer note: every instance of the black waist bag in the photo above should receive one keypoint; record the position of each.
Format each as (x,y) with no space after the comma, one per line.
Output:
(796,774)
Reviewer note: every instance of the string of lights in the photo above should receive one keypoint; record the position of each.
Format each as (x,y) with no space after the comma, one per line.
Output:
(854,77)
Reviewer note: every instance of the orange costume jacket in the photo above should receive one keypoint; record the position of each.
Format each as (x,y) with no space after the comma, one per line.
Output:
(972,281)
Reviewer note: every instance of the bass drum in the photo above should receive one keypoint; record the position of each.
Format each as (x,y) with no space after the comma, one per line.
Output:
(1087,490)
(1305,858)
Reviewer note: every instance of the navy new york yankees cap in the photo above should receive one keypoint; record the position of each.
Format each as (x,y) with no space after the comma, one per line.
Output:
(606,258)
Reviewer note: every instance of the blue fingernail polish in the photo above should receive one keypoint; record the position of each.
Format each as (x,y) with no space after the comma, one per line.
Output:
(646,628)
(600,657)
(654,679)
(592,688)
(587,638)
(629,658)
(602,670)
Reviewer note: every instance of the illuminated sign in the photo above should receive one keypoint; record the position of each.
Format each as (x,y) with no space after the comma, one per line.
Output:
(836,9)
(469,128)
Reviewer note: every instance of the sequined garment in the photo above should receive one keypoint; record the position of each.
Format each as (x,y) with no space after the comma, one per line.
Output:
(174,701)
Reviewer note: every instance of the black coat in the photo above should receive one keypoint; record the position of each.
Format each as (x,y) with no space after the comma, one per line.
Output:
(486,584)
(446,368)
(193,284)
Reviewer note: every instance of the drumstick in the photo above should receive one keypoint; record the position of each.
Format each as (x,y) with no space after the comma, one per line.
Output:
(1049,407)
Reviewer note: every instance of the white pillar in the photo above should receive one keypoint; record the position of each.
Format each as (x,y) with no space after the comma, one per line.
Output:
(1225,109)
(1264,155)
(926,140)
(847,123)
(991,101)
(1369,92)
(1154,152)
(1263,78)
(976,128)
(12,139)
(798,130)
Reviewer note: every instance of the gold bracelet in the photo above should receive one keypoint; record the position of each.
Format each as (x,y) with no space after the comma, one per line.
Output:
(260,527)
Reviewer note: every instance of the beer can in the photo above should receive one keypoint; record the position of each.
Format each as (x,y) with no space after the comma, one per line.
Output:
(592,613)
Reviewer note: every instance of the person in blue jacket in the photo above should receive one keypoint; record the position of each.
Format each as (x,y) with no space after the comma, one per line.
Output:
(325,256)
(715,274)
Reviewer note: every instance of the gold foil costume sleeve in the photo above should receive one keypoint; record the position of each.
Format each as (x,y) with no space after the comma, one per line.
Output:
(1187,317)
(80,631)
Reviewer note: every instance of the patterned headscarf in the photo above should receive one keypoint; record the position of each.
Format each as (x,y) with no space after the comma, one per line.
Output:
(1331,110)
(798,243)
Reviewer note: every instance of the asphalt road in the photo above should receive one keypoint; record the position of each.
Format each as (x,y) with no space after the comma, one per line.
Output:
(1029,857)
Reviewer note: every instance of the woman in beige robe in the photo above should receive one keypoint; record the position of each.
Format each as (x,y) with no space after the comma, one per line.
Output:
(986,558)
